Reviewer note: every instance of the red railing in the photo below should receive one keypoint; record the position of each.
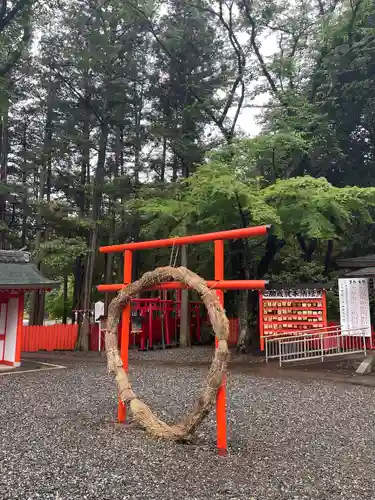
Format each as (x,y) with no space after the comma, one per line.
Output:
(49,338)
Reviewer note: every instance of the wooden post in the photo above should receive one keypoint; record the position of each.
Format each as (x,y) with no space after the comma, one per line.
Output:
(125,328)
(221,418)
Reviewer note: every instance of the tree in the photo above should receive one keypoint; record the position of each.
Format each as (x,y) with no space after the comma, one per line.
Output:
(123,124)
(304,211)
(318,80)
(58,256)
(15,30)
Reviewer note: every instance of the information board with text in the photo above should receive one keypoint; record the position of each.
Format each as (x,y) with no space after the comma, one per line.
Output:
(354,307)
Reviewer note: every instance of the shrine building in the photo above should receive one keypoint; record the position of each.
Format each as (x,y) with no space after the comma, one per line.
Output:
(18,276)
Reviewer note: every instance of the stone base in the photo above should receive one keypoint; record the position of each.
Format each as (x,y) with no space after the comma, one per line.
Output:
(366,366)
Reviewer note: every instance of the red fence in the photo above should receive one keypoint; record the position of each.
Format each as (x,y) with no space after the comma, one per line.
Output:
(370,341)
(63,337)
(49,338)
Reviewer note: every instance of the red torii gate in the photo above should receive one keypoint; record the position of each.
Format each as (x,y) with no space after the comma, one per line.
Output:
(219,284)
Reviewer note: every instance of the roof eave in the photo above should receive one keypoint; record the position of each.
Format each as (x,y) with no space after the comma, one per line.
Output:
(356,262)
(26,287)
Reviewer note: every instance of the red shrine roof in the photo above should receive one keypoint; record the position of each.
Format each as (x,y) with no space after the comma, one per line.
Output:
(17,272)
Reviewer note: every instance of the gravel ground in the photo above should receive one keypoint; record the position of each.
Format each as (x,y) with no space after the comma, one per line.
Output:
(191,355)
(196,354)
(288,439)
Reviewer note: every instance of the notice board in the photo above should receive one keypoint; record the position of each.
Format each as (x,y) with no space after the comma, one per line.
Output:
(354,307)
(291,312)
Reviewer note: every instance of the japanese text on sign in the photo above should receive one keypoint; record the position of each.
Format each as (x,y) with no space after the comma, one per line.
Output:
(354,307)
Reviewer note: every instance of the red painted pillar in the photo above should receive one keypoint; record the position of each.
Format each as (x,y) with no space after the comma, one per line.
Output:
(125,327)
(261,321)
(150,318)
(221,418)
(324,305)
(21,305)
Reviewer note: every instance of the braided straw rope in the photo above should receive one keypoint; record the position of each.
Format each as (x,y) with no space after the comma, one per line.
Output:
(182,431)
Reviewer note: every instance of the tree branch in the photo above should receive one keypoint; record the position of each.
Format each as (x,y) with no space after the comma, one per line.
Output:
(352,21)
(247,9)
(6,19)
(16,55)
(321,8)
(302,243)
(3,9)
(281,61)
(241,63)
(328,256)
(273,246)
(77,93)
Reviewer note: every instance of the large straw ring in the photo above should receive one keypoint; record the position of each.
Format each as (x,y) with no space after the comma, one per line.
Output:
(142,414)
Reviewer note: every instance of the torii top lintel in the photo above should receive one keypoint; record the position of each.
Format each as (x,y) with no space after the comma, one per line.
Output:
(232,234)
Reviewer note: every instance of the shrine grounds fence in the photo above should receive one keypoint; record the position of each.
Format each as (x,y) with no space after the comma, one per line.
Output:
(49,338)
(316,344)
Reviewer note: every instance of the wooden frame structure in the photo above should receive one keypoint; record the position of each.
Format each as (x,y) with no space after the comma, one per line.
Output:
(219,284)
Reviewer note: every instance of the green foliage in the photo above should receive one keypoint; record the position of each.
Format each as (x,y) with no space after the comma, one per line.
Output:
(290,269)
(270,156)
(59,255)
(333,305)
(215,196)
(54,301)
(315,208)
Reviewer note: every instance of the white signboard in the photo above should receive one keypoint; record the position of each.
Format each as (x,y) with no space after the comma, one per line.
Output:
(354,307)
(98,310)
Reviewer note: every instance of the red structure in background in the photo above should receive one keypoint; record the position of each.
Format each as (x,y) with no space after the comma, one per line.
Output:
(160,325)
(287,312)
(218,284)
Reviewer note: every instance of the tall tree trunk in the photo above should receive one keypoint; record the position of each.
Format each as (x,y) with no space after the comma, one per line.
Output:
(82,342)
(243,321)
(78,271)
(24,184)
(82,202)
(118,166)
(175,168)
(83,335)
(4,147)
(244,336)
(38,298)
(328,257)
(109,266)
(65,299)
(163,161)
(137,142)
